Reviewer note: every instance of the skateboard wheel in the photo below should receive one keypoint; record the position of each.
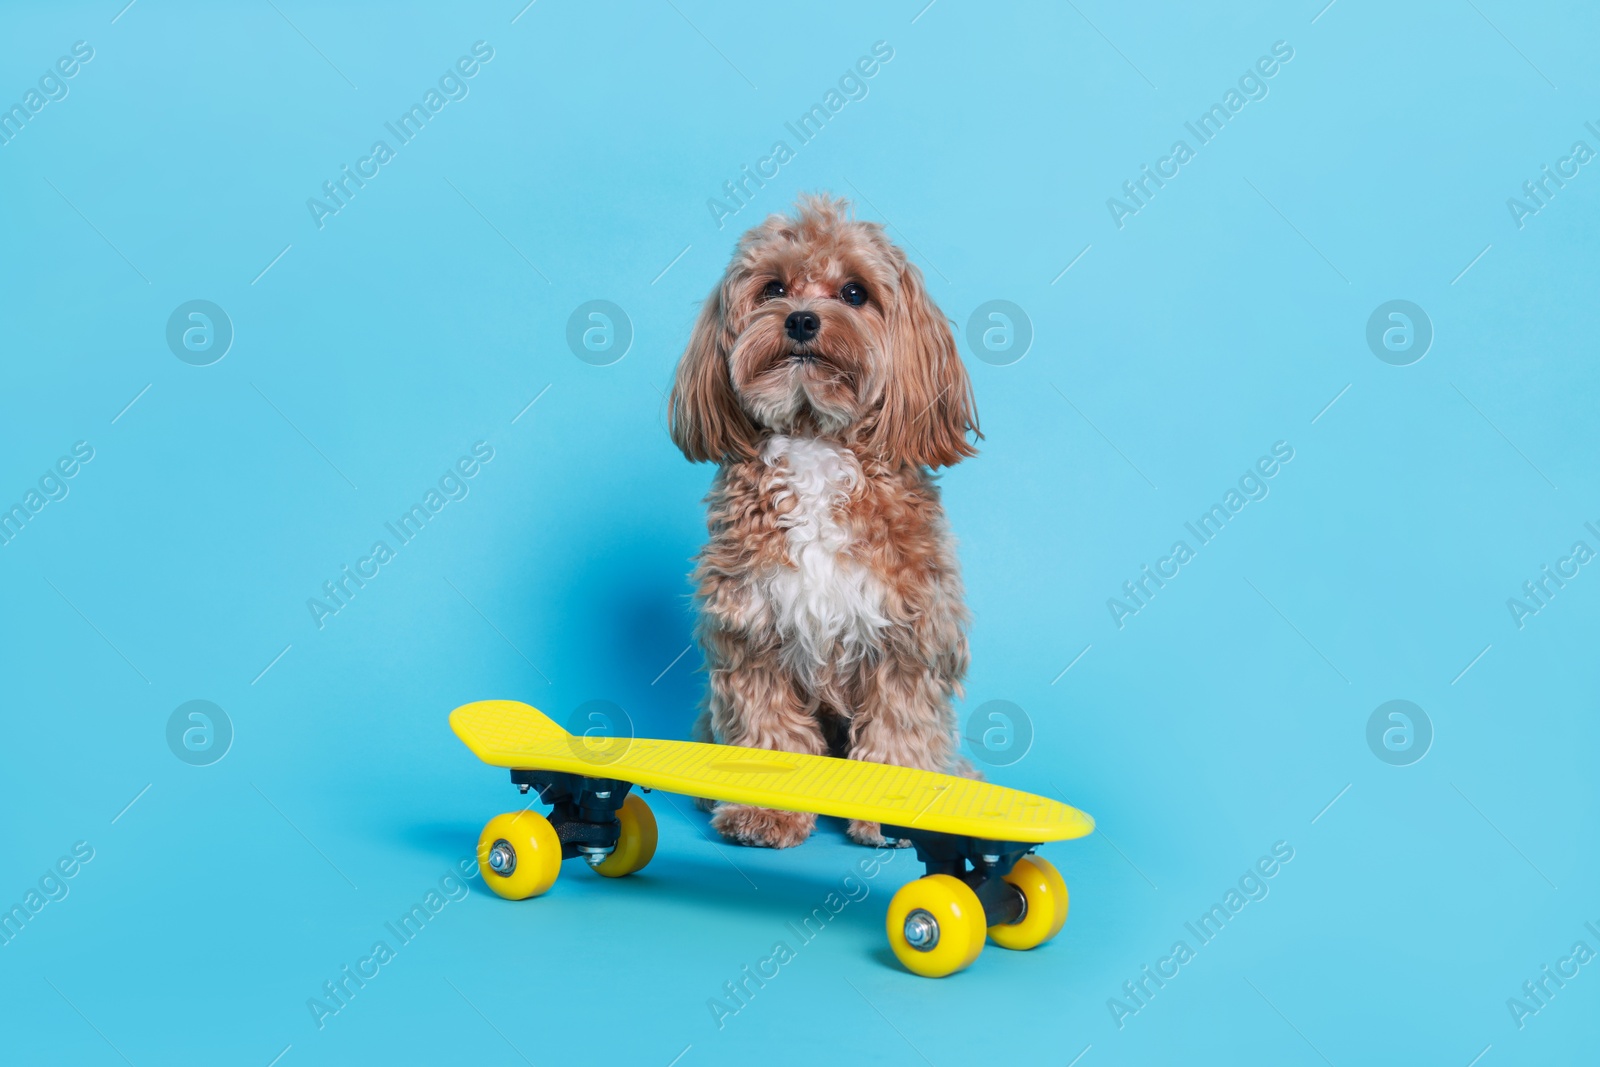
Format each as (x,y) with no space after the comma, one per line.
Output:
(519,854)
(1045,893)
(935,925)
(636,844)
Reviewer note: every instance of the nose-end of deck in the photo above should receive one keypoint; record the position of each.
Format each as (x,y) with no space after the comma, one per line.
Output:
(484,725)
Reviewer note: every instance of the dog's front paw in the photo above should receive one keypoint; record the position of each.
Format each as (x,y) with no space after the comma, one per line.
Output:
(871,834)
(762,827)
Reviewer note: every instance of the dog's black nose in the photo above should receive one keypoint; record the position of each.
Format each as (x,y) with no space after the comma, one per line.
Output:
(802,325)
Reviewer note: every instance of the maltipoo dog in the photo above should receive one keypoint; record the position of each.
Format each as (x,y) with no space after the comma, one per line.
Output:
(825,384)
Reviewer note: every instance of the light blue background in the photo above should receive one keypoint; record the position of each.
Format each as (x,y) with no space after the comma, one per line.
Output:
(1223,718)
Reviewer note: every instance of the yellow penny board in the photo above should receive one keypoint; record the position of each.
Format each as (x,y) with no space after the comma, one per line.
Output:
(507,733)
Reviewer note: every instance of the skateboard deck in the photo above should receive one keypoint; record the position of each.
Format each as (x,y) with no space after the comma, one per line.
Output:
(510,734)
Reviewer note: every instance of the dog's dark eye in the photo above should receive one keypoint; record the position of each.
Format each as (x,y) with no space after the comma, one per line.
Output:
(774,290)
(853,294)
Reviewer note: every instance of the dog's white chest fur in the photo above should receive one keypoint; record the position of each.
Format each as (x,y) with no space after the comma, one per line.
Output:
(826,606)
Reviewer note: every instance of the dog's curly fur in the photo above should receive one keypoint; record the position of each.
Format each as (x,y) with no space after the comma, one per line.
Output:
(830,602)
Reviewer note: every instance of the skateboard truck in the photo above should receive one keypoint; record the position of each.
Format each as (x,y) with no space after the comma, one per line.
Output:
(982,865)
(584,815)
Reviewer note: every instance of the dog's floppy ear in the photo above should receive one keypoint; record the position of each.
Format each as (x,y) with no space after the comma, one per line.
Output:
(707,421)
(928,407)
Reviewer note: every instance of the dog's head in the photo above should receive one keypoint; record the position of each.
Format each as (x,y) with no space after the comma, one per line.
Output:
(822,326)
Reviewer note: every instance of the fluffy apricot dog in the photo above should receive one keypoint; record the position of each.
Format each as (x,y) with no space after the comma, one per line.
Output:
(825,384)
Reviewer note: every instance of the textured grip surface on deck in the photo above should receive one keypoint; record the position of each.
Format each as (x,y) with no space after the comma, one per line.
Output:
(507,733)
